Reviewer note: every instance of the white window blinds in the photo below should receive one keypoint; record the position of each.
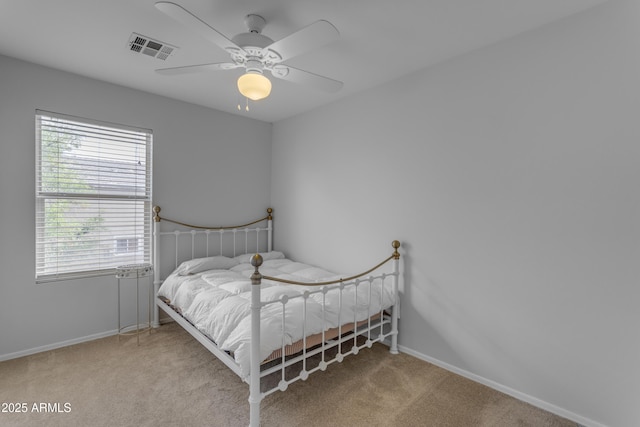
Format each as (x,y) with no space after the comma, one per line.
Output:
(93,196)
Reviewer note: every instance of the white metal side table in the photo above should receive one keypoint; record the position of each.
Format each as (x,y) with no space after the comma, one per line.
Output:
(135,271)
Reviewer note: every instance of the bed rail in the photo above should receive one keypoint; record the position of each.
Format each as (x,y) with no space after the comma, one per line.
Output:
(359,327)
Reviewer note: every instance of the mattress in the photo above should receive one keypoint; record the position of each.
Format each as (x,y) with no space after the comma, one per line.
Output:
(214,294)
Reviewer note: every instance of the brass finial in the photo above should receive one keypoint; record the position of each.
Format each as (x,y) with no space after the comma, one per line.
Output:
(256,277)
(269,211)
(396,245)
(156,213)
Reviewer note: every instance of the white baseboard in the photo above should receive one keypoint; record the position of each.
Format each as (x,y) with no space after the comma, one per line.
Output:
(61,344)
(578,419)
(56,345)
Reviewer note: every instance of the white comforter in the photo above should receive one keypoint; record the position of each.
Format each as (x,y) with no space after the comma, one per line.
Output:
(217,302)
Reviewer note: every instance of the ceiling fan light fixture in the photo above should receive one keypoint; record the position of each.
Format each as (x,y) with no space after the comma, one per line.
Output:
(254,86)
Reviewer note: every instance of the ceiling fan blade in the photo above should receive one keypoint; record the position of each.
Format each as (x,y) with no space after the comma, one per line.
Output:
(308,38)
(187,18)
(295,75)
(196,68)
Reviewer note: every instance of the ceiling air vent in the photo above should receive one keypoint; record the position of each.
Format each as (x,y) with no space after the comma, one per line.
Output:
(148,46)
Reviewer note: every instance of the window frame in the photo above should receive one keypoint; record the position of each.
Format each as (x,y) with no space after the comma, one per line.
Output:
(110,204)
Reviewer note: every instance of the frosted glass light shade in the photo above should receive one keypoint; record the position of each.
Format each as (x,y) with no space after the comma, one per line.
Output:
(254,86)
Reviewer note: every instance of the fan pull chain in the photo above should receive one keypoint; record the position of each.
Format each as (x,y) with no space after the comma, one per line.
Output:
(246,106)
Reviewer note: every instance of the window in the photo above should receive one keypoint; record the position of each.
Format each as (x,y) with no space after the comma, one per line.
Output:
(128,245)
(93,196)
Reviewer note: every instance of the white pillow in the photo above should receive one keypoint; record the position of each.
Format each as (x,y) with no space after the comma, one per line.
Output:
(265,256)
(197,265)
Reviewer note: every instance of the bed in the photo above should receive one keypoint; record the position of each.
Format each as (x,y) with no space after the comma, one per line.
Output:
(270,319)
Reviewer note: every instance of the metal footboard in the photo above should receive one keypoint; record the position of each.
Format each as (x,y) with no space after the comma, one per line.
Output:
(374,330)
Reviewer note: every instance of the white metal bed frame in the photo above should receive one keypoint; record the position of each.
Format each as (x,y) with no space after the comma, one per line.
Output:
(379,328)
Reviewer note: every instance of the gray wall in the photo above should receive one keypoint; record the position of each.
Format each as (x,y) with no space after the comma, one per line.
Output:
(198,153)
(509,174)
(511,177)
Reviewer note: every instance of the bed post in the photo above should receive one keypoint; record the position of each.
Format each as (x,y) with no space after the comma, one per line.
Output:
(394,310)
(270,230)
(254,377)
(156,264)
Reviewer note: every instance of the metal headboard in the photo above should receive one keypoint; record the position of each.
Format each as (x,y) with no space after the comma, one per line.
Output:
(251,243)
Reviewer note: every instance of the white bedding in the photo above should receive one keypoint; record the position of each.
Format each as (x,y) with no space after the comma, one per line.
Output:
(217,302)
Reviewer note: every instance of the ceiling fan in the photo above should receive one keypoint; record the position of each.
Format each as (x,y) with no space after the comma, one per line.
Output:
(257,53)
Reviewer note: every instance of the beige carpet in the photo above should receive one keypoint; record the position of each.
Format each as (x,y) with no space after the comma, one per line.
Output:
(171,380)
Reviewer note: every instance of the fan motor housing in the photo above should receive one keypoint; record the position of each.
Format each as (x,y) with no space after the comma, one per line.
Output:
(253,45)
(245,40)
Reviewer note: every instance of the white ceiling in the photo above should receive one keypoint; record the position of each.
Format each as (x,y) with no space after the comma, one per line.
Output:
(381,40)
